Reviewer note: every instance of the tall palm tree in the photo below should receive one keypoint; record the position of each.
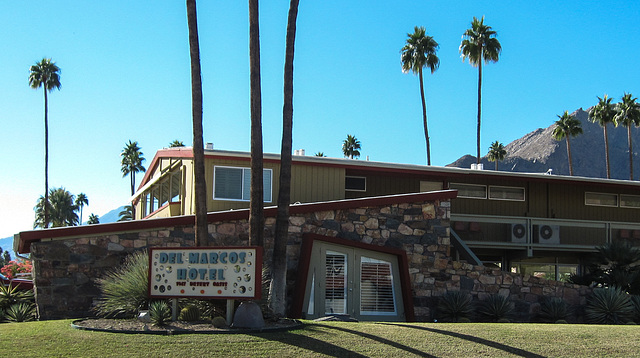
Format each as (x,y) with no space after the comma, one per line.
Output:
(628,114)
(567,126)
(350,147)
(603,114)
(81,201)
(201,227)
(126,214)
(320,154)
(256,202)
(278,288)
(45,74)
(420,52)
(480,45)
(496,153)
(93,219)
(62,209)
(131,164)
(176,143)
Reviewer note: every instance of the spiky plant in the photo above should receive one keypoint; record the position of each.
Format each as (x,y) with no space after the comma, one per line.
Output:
(20,312)
(12,295)
(160,313)
(495,308)
(124,290)
(454,306)
(635,299)
(609,306)
(190,313)
(554,310)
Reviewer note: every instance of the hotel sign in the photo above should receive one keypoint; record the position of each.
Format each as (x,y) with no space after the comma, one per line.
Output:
(206,272)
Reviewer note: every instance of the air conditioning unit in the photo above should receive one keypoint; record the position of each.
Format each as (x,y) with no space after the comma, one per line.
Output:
(549,234)
(519,233)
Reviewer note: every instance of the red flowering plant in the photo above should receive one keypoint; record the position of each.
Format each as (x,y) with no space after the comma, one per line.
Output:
(13,268)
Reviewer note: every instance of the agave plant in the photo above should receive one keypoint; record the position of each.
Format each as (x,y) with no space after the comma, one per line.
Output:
(609,306)
(496,308)
(635,299)
(554,310)
(124,290)
(455,306)
(12,295)
(160,313)
(21,312)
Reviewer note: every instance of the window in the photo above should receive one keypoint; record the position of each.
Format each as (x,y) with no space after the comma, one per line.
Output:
(471,191)
(376,287)
(336,283)
(601,199)
(506,193)
(355,183)
(230,183)
(629,201)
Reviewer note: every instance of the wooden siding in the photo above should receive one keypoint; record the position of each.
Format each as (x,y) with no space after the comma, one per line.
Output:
(378,184)
(315,183)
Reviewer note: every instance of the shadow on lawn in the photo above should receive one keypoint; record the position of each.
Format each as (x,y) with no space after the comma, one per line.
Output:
(329,349)
(508,349)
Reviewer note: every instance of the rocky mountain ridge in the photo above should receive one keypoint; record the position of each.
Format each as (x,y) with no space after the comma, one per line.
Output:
(537,152)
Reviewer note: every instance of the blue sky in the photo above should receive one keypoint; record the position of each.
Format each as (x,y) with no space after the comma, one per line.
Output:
(125,75)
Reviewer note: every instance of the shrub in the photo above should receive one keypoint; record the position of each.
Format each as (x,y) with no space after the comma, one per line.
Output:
(219,322)
(454,306)
(160,313)
(124,290)
(190,313)
(13,268)
(21,312)
(553,310)
(635,300)
(10,296)
(495,308)
(609,306)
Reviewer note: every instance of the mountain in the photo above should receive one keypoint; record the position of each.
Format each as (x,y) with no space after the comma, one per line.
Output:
(537,152)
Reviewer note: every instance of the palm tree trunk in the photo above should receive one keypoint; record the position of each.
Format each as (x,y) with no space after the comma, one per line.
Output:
(256,203)
(132,177)
(479,106)
(201,229)
(630,152)
(278,289)
(569,156)
(46,156)
(496,164)
(424,117)
(606,150)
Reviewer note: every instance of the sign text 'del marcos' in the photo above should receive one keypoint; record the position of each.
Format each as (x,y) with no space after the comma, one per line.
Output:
(211,272)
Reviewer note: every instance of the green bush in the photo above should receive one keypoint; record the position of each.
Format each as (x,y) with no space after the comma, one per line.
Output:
(125,289)
(553,310)
(495,308)
(635,300)
(21,312)
(10,296)
(219,322)
(160,313)
(190,313)
(454,306)
(609,306)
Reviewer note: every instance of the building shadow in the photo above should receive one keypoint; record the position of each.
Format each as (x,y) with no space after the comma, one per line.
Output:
(478,340)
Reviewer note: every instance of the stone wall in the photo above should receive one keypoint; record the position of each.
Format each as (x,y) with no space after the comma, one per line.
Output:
(66,268)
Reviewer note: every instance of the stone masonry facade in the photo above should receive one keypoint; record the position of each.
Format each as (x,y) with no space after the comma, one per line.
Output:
(66,268)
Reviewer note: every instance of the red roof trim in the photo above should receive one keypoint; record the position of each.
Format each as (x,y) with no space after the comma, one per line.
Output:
(28,237)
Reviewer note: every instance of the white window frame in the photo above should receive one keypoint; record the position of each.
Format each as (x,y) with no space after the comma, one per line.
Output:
(507,187)
(586,202)
(469,185)
(355,177)
(268,191)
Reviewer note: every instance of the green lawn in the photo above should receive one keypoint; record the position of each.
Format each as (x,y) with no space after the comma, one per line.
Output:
(331,339)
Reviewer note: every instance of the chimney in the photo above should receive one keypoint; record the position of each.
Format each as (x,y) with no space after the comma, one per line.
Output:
(208,146)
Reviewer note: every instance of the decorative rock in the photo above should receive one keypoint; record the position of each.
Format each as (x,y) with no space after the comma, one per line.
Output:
(248,315)
(144,316)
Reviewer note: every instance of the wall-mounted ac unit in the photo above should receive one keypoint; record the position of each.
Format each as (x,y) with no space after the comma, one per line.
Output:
(549,234)
(518,233)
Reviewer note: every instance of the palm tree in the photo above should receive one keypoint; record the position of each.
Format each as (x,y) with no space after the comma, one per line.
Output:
(567,126)
(61,209)
(278,287)
(126,214)
(480,45)
(256,202)
(603,114)
(496,153)
(81,201)
(201,226)
(350,147)
(320,154)
(628,114)
(93,219)
(131,164)
(176,143)
(45,74)
(420,52)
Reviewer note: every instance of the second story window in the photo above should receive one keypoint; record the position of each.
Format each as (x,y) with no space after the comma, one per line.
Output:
(233,183)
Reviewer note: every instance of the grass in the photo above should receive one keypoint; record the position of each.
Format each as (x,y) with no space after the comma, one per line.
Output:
(332,339)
